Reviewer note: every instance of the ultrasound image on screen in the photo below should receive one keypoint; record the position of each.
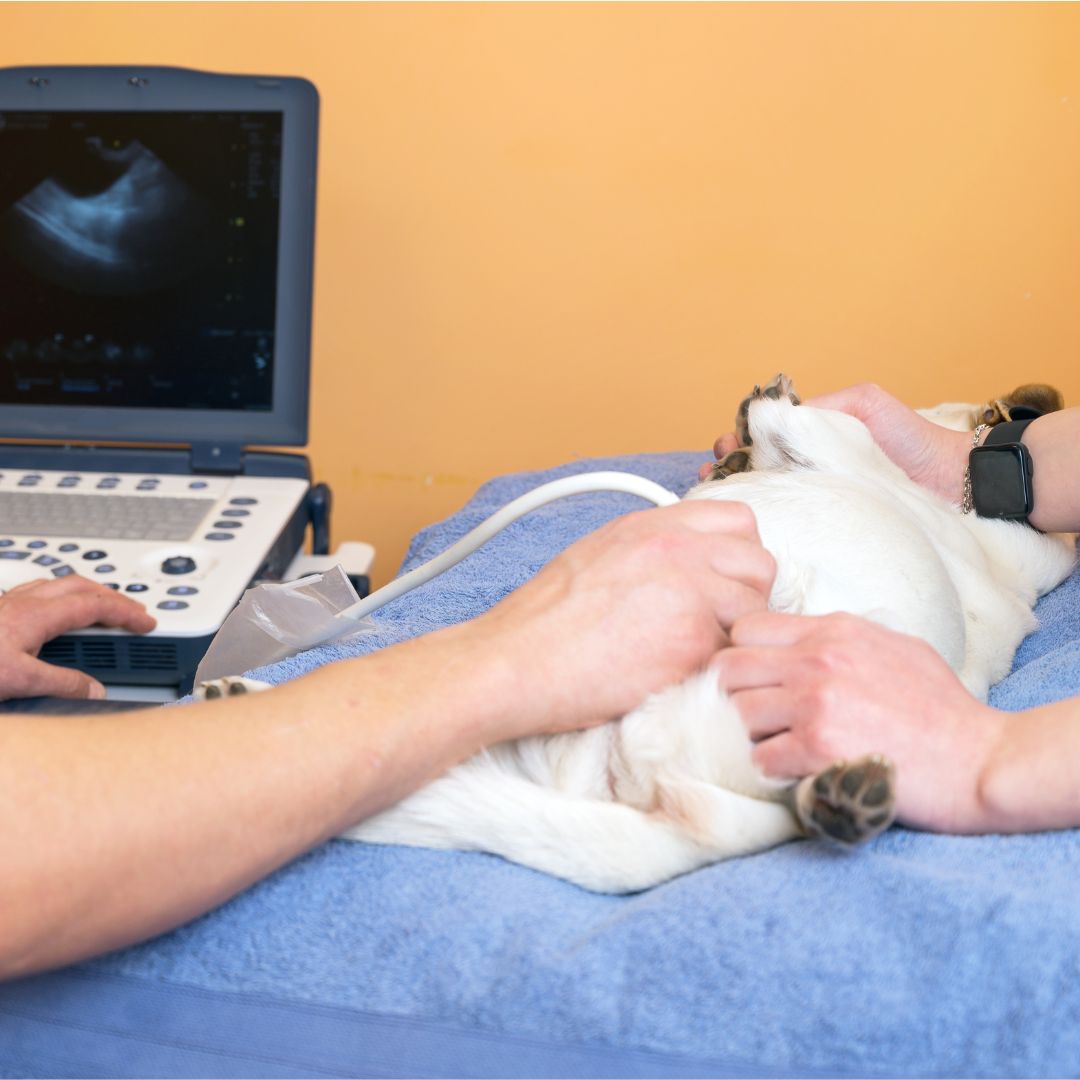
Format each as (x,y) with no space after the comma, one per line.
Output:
(138,258)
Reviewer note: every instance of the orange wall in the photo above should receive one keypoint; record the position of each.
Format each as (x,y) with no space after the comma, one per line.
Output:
(559,230)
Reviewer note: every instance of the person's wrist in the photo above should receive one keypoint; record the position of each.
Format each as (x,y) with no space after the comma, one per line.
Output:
(509,647)
(949,792)
(1010,796)
(991,808)
(953,476)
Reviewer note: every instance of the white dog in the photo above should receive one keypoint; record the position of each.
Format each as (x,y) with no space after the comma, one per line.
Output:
(671,787)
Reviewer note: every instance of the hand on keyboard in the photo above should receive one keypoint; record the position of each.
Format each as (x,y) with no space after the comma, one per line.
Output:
(40,610)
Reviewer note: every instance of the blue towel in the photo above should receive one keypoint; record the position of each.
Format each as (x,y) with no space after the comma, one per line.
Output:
(917,955)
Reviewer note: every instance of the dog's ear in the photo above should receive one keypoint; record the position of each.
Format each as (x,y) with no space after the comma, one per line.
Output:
(1022,403)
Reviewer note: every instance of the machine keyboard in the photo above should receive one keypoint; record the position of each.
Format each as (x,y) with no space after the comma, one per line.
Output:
(108,517)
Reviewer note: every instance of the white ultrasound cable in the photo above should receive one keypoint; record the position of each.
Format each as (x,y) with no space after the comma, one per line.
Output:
(581,484)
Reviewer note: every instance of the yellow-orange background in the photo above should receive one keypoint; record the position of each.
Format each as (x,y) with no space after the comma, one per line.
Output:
(559,230)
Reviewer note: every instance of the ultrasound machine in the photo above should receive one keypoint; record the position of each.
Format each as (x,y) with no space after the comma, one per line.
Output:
(156,246)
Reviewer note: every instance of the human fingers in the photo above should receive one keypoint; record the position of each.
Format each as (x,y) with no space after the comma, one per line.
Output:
(741,667)
(774,629)
(26,586)
(860,400)
(744,560)
(766,711)
(27,676)
(716,516)
(786,757)
(49,588)
(46,618)
(725,444)
(730,600)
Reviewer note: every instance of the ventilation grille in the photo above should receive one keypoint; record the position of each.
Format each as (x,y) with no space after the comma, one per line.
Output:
(102,656)
(98,654)
(149,655)
(62,653)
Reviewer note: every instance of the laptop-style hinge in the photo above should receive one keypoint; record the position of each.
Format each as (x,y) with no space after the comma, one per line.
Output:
(217,458)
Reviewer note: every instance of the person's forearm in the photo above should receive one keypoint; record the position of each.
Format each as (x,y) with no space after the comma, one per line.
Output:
(1054,443)
(1031,779)
(119,827)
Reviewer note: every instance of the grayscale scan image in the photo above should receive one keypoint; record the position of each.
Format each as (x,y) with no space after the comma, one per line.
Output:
(138,258)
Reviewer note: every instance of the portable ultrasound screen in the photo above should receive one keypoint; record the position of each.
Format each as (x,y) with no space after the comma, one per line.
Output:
(156,248)
(156,229)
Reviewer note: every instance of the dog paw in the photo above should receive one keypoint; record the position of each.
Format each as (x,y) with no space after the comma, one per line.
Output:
(850,802)
(736,462)
(230,686)
(781,386)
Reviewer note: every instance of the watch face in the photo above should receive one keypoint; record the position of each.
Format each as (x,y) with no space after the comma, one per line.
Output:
(1001,481)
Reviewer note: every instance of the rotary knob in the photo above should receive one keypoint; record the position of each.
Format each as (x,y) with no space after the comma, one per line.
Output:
(178,564)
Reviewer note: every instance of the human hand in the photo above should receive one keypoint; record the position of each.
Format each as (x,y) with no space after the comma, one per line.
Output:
(932,456)
(37,611)
(812,690)
(624,612)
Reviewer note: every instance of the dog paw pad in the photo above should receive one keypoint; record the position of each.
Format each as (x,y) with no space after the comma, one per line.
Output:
(850,802)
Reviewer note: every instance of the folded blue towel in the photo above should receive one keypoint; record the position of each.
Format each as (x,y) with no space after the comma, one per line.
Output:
(918,955)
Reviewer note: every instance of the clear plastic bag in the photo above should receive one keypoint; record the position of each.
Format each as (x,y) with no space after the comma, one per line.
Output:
(276,620)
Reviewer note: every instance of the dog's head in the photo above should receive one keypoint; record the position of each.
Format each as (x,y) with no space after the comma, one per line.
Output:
(1023,403)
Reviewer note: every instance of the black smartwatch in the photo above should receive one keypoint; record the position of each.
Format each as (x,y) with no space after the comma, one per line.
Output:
(1001,471)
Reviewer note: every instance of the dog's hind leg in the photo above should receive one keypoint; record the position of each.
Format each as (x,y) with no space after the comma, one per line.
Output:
(850,802)
(599,845)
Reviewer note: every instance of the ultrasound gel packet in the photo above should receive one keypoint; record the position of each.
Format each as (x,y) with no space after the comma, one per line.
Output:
(278,619)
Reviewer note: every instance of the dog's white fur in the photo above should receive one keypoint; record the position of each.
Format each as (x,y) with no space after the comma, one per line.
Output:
(671,787)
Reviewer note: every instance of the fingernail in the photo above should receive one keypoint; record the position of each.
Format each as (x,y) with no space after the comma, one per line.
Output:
(97,691)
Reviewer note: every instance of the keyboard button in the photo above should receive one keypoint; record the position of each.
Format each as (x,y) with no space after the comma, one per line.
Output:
(6,543)
(46,560)
(243,500)
(182,590)
(14,554)
(62,571)
(104,568)
(227,524)
(172,605)
(178,564)
(107,484)
(235,513)
(136,587)
(37,544)
(93,556)
(220,536)
(29,481)
(112,584)
(197,485)
(68,481)
(68,547)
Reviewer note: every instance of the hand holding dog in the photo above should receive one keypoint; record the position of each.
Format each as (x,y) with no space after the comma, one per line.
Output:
(643,602)
(812,690)
(931,455)
(37,611)
(936,457)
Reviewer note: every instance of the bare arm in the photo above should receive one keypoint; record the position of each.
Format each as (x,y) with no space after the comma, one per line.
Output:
(1054,443)
(119,827)
(812,690)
